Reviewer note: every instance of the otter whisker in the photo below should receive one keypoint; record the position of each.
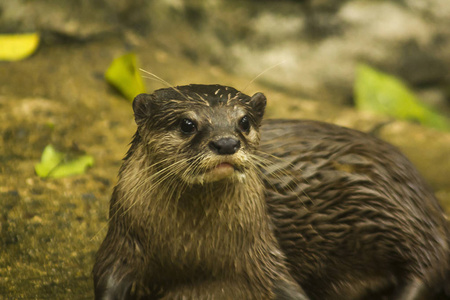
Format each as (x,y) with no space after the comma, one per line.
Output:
(194,165)
(160,175)
(263,72)
(145,171)
(157,78)
(173,162)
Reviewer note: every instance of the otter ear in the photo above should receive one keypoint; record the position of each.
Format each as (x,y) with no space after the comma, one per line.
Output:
(142,107)
(258,104)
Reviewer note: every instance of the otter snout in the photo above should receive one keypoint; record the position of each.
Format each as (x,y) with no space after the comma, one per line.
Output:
(225,146)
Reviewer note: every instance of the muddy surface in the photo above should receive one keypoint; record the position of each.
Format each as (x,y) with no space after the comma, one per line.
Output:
(51,228)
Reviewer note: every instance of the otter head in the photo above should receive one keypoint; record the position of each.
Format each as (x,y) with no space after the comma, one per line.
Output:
(200,133)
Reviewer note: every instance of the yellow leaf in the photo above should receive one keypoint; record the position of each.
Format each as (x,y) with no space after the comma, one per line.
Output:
(18,46)
(123,74)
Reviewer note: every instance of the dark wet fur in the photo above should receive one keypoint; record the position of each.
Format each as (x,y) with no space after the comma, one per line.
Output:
(351,210)
(345,215)
(172,239)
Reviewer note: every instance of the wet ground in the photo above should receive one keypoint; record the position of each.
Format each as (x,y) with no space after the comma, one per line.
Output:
(51,228)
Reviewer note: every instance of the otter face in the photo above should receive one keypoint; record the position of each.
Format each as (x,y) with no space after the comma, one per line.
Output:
(200,133)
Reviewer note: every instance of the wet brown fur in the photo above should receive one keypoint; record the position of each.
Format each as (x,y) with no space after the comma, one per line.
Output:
(352,214)
(174,237)
(342,213)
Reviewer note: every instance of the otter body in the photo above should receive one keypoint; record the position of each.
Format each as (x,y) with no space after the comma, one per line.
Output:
(352,214)
(203,211)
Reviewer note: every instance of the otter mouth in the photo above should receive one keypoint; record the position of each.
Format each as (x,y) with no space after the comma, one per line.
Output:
(221,171)
(216,170)
(224,168)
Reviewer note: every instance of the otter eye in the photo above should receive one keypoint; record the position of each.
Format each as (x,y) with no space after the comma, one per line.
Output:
(188,126)
(244,124)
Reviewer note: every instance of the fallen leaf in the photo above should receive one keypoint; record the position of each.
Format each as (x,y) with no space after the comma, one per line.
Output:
(18,46)
(123,74)
(388,95)
(56,164)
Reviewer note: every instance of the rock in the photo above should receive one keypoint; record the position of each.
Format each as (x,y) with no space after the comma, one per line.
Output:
(314,44)
(59,96)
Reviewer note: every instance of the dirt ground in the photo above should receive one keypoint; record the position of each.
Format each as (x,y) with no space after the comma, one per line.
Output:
(51,228)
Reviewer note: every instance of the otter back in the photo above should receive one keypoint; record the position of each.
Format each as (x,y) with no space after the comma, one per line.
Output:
(352,214)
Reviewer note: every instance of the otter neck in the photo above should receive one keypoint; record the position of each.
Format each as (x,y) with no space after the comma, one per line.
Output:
(199,227)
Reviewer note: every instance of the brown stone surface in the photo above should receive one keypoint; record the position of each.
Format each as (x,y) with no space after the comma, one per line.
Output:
(50,229)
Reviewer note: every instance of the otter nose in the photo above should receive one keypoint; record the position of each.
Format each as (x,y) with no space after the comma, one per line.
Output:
(225,146)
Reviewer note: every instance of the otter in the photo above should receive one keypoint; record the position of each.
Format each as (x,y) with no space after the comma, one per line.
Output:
(188,217)
(213,203)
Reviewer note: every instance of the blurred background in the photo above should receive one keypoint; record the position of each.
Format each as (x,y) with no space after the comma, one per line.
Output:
(313,59)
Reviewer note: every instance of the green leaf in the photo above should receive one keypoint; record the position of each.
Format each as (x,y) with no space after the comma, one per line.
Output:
(50,159)
(73,167)
(385,94)
(123,74)
(56,164)
(18,46)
